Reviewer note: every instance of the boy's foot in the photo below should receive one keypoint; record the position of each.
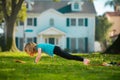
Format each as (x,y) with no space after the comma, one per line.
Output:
(86,61)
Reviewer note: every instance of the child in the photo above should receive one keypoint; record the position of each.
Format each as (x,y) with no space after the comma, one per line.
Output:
(32,48)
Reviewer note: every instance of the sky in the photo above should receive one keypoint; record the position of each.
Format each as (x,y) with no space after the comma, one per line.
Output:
(100,8)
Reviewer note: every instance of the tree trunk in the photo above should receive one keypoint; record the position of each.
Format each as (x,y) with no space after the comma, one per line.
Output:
(13,46)
(115,47)
(10,44)
(10,20)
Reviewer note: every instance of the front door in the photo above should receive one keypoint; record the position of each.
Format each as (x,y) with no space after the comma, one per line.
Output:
(52,40)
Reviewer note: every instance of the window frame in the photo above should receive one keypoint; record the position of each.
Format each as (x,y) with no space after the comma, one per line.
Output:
(21,23)
(76,5)
(81,23)
(30,24)
(73,23)
(51,22)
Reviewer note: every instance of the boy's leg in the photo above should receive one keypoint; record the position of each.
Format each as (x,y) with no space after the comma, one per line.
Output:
(58,51)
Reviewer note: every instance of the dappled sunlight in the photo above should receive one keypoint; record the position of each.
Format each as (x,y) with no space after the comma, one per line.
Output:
(7,69)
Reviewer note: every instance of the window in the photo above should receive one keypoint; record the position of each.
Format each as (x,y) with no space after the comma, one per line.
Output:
(73,43)
(80,22)
(83,22)
(76,5)
(27,5)
(29,39)
(77,22)
(46,40)
(32,21)
(21,23)
(19,40)
(77,44)
(52,40)
(51,22)
(29,21)
(73,22)
(81,45)
(32,39)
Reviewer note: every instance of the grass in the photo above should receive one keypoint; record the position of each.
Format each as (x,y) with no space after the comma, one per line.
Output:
(57,68)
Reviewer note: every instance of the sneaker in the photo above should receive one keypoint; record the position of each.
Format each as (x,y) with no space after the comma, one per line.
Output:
(86,61)
(106,64)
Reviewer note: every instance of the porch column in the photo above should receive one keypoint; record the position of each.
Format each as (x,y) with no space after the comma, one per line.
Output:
(63,41)
(40,40)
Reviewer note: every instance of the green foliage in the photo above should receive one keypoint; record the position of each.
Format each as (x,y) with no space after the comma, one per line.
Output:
(1,14)
(22,13)
(56,0)
(57,68)
(102,28)
(112,2)
(91,0)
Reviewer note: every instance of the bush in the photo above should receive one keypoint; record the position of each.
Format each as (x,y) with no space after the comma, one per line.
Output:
(67,50)
(74,51)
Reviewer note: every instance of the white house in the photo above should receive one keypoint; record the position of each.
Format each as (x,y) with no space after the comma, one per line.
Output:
(69,24)
(1,32)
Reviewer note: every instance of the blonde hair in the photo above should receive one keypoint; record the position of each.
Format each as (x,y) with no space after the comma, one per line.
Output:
(30,48)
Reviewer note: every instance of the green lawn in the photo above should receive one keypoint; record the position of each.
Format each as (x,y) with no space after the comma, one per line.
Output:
(57,68)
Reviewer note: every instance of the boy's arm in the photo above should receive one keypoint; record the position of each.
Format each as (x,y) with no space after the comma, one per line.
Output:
(38,57)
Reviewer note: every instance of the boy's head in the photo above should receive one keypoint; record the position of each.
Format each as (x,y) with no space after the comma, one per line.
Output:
(30,48)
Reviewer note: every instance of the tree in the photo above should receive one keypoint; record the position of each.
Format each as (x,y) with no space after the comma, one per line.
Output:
(114,48)
(102,28)
(10,10)
(114,3)
(1,15)
(56,0)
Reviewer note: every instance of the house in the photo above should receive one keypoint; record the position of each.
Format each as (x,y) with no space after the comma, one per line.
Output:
(69,24)
(1,32)
(1,29)
(114,18)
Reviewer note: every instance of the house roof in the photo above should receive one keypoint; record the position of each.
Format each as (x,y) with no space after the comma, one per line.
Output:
(43,5)
(113,13)
(87,7)
(62,6)
(52,31)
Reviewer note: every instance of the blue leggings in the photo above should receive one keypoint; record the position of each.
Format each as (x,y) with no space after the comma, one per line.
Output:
(58,51)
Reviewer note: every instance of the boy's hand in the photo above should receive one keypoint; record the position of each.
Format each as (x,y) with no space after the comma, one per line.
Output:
(35,61)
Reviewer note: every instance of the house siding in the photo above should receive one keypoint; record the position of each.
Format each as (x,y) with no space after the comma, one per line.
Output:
(81,36)
(114,18)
